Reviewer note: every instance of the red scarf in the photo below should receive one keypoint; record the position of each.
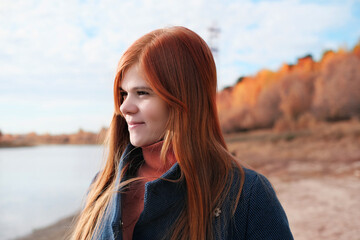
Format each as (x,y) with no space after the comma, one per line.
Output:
(133,200)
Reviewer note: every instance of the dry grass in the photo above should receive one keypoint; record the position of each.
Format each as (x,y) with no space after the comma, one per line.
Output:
(324,150)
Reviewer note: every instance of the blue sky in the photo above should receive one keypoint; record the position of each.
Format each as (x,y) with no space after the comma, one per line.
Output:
(58,58)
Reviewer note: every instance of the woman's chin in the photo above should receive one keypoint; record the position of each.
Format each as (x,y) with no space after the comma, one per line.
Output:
(138,142)
(142,143)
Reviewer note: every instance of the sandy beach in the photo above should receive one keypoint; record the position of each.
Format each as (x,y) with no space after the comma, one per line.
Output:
(315,172)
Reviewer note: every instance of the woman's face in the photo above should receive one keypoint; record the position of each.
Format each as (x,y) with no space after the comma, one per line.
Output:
(145,112)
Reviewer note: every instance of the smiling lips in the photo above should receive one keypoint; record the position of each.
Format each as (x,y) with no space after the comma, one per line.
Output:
(132,125)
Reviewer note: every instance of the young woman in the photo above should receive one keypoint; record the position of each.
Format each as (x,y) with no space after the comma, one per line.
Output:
(168,173)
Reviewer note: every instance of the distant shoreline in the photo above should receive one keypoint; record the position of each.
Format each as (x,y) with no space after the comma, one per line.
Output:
(33,139)
(15,145)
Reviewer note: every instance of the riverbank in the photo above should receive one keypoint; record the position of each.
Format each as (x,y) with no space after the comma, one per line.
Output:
(34,139)
(315,172)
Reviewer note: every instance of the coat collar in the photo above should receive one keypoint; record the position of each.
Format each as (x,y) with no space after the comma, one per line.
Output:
(159,192)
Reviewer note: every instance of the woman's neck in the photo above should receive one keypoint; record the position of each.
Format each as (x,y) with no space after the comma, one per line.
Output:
(153,166)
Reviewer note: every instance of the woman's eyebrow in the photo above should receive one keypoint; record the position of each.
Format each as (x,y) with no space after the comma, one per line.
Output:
(137,88)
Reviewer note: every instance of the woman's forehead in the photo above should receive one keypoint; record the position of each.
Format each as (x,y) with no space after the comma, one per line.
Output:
(133,78)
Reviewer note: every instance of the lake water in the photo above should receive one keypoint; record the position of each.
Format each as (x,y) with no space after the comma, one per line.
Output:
(40,185)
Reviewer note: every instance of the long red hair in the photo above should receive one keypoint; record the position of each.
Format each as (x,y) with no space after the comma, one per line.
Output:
(180,68)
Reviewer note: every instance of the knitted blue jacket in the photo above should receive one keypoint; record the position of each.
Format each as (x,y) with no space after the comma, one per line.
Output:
(258,215)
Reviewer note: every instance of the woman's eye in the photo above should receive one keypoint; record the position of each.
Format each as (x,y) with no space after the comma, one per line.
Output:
(142,93)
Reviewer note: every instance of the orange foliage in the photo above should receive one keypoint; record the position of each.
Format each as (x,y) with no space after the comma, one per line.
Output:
(337,89)
(295,95)
(357,50)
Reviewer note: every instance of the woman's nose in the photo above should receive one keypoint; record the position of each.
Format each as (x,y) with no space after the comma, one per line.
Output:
(128,106)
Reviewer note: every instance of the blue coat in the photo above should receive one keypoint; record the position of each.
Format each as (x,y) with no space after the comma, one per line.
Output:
(259,214)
